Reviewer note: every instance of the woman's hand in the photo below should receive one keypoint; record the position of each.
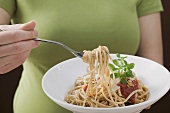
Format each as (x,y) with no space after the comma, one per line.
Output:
(16,45)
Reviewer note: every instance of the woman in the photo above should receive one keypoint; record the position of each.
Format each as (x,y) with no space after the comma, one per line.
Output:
(130,27)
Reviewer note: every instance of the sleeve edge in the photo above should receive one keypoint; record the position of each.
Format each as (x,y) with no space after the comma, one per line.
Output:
(155,10)
(4,6)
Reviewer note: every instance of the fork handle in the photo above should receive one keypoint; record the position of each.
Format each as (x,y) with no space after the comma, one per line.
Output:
(50,41)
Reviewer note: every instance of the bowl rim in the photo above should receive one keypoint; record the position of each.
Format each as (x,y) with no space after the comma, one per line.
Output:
(145,103)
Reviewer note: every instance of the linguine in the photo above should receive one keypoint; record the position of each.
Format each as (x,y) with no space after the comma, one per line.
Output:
(98,89)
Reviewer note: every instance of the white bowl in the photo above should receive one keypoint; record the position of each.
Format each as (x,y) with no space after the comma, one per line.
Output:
(61,78)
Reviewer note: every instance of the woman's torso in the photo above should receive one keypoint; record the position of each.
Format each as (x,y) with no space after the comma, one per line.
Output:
(80,24)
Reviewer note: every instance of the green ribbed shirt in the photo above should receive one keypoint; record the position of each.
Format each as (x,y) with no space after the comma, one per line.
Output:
(80,24)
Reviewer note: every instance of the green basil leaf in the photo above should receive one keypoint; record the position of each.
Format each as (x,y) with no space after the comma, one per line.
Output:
(131,66)
(129,74)
(123,75)
(118,55)
(112,67)
(111,76)
(117,62)
(117,75)
(123,80)
(125,62)
(123,57)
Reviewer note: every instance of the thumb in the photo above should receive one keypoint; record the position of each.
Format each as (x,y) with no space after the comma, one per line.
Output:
(27,26)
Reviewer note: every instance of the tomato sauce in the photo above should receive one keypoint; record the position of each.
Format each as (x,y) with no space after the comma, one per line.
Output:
(127,89)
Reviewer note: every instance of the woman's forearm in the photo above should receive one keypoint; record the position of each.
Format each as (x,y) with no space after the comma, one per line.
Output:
(151,38)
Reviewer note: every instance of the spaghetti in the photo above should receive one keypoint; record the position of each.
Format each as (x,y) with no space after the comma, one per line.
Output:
(98,89)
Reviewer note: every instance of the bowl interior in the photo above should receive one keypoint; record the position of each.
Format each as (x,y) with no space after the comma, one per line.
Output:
(61,78)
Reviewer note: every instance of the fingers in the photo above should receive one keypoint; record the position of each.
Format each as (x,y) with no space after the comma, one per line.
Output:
(18,59)
(10,27)
(148,108)
(14,58)
(10,67)
(15,44)
(8,37)
(18,47)
(27,26)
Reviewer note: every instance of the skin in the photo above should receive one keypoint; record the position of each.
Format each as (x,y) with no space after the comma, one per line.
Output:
(151,38)
(16,46)
(17,38)
(15,42)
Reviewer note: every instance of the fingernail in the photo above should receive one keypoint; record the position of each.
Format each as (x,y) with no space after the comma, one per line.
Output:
(32,21)
(35,34)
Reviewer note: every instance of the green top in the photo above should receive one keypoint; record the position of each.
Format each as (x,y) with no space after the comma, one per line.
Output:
(80,24)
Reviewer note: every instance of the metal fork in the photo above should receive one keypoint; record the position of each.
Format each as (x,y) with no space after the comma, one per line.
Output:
(75,53)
